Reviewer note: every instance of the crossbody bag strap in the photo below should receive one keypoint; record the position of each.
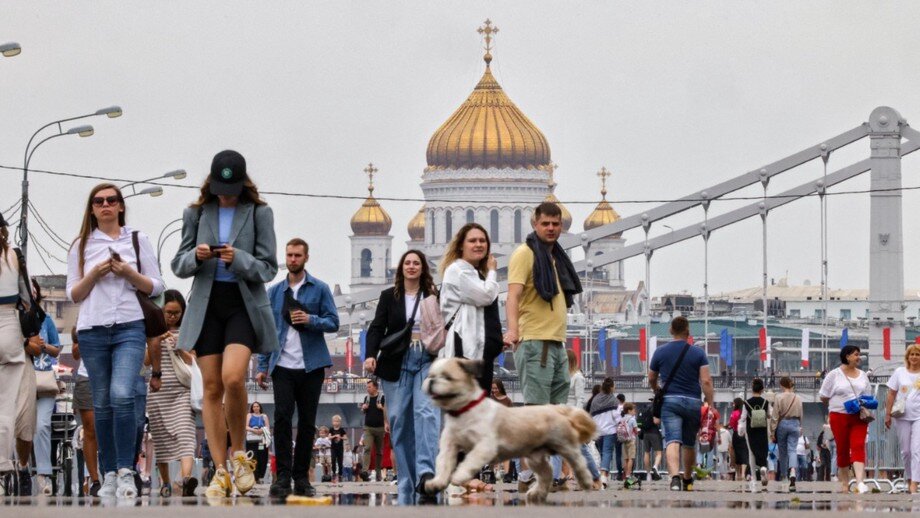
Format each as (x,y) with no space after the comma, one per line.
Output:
(137,250)
(24,275)
(418,298)
(664,389)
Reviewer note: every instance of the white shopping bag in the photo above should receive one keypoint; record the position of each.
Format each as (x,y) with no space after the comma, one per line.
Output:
(197,387)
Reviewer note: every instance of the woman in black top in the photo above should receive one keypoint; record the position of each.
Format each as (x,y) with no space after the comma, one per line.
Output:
(414,422)
(757,437)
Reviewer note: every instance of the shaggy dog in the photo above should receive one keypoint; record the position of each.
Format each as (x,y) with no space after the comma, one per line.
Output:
(488,432)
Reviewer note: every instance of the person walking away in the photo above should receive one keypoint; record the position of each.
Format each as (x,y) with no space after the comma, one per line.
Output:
(257,429)
(687,369)
(651,441)
(739,444)
(707,438)
(228,247)
(724,451)
(785,426)
(303,310)
(541,285)
(172,419)
(846,383)
(904,389)
(103,277)
(603,409)
(757,431)
(629,445)
(577,398)
(44,363)
(338,436)
(375,425)
(83,403)
(413,420)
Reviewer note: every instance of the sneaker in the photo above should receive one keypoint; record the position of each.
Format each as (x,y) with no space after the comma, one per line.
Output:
(604,481)
(44,485)
(94,489)
(109,485)
(764,479)
(243,466)
(302,487)
(189,485)
(656,475)
(686,484)
(792,484)
(631,483)
(281,487)
(165,491)
(675,483)
(125,486)
(862,488)
(220,485)
(25,482)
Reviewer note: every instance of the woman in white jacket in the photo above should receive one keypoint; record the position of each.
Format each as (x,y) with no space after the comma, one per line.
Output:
(469,300)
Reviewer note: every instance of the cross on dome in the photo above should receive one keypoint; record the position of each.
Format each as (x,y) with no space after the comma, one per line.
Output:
(370,170)
(603,174)
(487,31)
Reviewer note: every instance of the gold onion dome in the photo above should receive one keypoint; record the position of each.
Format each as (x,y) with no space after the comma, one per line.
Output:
(371,219)
(603,214)
(551,197)
(417,226)
(488,130)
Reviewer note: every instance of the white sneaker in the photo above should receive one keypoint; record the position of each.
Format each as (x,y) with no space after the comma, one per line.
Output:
(862,488)
(44,485)
(604,481)
(125,484)
(109,485)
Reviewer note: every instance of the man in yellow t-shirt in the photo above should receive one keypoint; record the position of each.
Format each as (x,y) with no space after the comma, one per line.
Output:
(536,327)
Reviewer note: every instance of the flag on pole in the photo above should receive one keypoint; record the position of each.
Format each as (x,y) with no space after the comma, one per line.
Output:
(916,338)
(723,344)
(602,344)
(362,339)
(886,343)
(576,347)
(844,338)
(763,344)
(349,352)
(642,350)
(769,357)
(615,353)
(731,351)
(652,345)
(805,340)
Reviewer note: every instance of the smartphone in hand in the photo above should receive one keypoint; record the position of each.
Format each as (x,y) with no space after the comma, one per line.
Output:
(114,254)
(215,250)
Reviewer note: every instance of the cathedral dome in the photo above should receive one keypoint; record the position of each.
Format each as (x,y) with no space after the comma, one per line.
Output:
(603,213)
(488,131)
(417,226)
(551,197)
(371,219)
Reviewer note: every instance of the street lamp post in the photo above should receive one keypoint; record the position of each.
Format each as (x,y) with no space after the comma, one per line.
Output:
(83,131)
(10,49)
(152,191)
(178,174)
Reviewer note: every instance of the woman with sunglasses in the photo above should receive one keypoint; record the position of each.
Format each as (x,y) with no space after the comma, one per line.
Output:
(228,246)
(103,277)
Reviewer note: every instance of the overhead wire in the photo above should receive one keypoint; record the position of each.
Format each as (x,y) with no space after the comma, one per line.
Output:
(42,249)
(55,237)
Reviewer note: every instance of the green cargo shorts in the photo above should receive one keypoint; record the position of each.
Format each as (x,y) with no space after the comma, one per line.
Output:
(543,369)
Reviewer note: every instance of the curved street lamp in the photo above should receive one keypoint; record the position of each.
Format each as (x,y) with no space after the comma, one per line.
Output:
(152,191)
(83,131)
(178,174)
(10,49)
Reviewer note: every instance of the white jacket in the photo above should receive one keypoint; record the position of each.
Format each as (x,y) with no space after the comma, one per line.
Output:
(465,295)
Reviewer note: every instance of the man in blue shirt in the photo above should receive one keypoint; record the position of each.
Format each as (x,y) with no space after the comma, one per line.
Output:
(304,310)
(681,411)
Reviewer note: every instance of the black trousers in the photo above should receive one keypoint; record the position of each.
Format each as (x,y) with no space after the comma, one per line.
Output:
(338,461)
(295,389)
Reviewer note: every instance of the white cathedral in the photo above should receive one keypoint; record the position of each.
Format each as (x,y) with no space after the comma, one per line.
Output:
(494,166)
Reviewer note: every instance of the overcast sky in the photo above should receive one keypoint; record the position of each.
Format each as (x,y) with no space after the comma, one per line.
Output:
(671,97)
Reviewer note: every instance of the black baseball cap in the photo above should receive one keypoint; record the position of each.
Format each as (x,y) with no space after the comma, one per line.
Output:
(3,222)
(228,172)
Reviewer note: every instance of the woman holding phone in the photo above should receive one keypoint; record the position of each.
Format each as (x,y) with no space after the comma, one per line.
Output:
(228,247)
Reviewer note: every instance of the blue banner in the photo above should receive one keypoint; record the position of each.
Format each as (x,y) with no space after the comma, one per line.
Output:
(730,358)
(844,338)
(615,353)
(363,339)
(602,344)
(723,345)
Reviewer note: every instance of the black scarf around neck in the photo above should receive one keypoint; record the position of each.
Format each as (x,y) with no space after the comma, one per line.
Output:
(544,279)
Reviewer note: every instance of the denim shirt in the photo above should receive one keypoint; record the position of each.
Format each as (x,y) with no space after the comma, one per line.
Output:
(324,318)
(48,333)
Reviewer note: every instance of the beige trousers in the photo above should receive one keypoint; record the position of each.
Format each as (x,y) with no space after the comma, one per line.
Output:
(12,366)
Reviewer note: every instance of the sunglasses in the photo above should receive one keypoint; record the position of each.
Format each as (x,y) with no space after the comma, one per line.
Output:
(99,201)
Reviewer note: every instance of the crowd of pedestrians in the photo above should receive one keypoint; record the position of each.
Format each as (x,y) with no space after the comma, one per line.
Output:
(196,356)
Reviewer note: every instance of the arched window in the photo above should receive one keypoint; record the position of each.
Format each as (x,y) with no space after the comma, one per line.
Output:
(470,216)
(518,230)
(365,263)
(493,226)
(449,226)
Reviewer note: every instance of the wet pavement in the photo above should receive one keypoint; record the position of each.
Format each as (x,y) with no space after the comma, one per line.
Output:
(709,499)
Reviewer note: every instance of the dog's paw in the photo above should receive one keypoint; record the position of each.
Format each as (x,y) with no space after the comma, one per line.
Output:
(433,486)
(536,495)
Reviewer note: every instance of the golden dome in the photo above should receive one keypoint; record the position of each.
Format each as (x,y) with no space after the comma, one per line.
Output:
(417,226)
(551,197)
(371,219)
(488,131)
(603,213)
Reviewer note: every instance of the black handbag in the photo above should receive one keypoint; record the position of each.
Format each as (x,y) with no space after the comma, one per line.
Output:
(658,400)
(396,343)
(31,318)
(154,321)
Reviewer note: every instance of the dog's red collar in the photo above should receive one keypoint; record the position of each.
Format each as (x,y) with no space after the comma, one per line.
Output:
(466,408)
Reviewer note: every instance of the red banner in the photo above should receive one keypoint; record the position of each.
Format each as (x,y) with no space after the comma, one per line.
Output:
(643,355)
(917,339)
(576,347)
(886,343)
(763,344)
(349,354)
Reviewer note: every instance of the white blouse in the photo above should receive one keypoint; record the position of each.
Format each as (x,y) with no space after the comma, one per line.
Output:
(839,389)
(465,295)
(112,300)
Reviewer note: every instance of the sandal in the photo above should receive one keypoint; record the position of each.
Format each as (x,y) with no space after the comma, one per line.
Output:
(165,491)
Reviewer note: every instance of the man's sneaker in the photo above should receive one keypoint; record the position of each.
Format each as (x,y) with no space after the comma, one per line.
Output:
(604,481)
(25,482)
(675,483)
(243,466)
(125,486)
(220,485)
(656,475)
(109,485)
(792,484)
(281,488)
(189,485)
(302,487)
(686,484)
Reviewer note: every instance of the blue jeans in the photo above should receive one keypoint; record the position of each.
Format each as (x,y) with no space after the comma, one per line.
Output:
(140,413)
(787,438)
(44,407)
(607,447)
(680,419)
(414,422)
(113,356)
(556,461)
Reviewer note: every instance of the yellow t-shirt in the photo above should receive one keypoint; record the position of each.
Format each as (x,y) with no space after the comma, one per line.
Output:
(537,319)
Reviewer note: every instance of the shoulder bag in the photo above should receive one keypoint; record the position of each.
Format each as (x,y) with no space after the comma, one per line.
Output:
(31,318)
(865,414)
(658,400)
(900,405)
(432,325)
(397,343)
(183,370)
(154,321)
